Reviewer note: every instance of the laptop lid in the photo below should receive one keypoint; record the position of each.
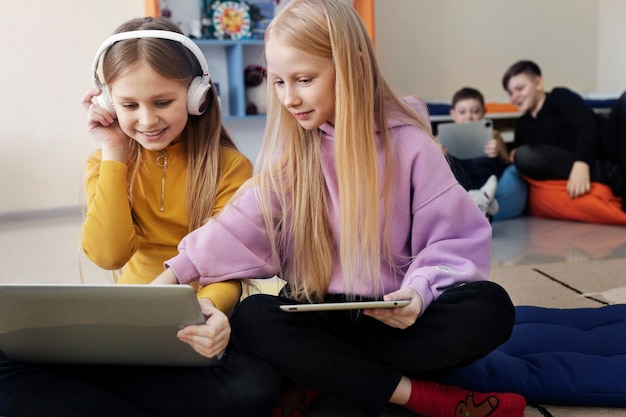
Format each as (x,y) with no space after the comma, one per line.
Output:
(465,140)
(99,324)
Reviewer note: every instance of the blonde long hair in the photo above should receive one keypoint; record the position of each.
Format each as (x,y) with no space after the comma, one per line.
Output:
(203,135)
(289,166)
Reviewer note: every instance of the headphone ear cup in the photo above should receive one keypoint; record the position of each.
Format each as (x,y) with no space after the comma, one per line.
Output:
(197,96)
(104,100)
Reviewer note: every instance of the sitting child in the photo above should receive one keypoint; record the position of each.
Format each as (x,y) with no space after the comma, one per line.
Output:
(491,180)
(558,137)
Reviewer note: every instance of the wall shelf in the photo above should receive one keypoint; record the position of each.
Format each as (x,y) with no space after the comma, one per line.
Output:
(227,60)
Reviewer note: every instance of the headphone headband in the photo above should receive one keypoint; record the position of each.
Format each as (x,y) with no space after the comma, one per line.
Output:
(158,34)
(198,88)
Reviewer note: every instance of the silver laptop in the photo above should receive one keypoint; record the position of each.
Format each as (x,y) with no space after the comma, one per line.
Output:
(465,140)
(98,324)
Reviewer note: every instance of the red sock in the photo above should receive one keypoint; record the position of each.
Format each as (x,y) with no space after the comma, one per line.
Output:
(293,401)
(436,400)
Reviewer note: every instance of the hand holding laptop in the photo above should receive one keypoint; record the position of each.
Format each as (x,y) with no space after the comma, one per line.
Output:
(209,339)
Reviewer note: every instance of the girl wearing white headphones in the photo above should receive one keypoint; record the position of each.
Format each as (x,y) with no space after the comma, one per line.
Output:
(165,165)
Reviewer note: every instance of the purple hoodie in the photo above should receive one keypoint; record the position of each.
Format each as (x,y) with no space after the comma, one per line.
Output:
(439,238)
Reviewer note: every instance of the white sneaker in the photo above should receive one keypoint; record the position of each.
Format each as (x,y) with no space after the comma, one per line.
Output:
(485,196)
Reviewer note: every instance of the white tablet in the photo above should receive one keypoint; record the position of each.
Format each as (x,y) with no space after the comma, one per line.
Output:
(351,305)
(466,140)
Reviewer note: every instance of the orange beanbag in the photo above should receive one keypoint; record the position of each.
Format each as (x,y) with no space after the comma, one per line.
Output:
(549,198)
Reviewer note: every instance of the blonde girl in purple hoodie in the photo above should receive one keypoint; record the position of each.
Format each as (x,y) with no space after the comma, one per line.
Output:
(353,200)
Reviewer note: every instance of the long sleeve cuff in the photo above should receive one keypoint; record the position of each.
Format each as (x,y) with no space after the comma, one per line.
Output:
(186,272)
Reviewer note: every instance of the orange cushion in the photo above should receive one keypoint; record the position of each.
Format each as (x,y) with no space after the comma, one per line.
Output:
(549,198)
(492,107)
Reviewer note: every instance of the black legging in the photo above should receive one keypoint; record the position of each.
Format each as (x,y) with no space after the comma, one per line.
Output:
(473,173)
(360,359)
(548,162)
(241,385)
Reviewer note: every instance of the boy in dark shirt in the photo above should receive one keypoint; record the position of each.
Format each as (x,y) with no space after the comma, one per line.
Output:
(558,135)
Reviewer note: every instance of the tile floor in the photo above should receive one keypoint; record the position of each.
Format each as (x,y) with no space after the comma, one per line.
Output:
(532,240)
(47,249)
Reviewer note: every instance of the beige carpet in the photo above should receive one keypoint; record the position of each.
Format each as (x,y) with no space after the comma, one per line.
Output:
(562,285)
(565,284)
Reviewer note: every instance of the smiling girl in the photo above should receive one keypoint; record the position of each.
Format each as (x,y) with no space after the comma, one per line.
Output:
(354,201)
(165,165)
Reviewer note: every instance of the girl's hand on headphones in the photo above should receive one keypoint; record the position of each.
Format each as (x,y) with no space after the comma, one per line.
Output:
(105,129)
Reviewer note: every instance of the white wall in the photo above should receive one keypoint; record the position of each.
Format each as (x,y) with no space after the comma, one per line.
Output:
(612,50)
(434,47)
(426,47)
(47,48)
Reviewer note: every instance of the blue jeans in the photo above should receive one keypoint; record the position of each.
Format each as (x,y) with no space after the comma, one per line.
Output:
(511,194)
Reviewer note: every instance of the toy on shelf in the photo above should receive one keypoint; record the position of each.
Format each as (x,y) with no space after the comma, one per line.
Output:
(255,77)
(236,19)
(261,14)
(227,19)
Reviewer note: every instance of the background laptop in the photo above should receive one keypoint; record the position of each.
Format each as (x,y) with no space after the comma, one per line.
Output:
(98,324)
(465,140)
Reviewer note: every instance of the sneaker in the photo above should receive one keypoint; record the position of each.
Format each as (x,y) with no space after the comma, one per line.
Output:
(485,196)
(493,208)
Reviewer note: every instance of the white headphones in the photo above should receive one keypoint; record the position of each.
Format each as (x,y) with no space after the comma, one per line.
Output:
(198,88)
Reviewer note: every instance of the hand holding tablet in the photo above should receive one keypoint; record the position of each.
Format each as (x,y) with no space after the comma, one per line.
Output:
(353,305)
